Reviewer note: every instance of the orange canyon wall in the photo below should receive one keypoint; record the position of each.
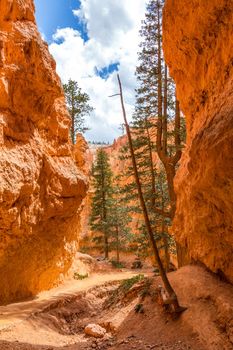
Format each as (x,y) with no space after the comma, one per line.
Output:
(198,45)
(41,186)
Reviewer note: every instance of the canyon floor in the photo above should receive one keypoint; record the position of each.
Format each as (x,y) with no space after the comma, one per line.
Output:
(56,319)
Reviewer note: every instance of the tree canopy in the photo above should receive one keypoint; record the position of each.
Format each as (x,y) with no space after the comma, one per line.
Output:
(78,107)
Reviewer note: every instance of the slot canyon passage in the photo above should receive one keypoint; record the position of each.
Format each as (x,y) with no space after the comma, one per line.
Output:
(77,268)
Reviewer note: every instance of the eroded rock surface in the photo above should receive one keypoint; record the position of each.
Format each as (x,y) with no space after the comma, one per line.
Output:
(41,188)
(94,330)
(198,45)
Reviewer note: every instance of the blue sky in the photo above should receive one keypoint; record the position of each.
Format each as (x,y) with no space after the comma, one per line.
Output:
(91,40)
(54,14)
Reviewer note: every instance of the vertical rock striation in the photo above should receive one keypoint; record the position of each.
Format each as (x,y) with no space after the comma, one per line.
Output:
(41,188)
(198,45)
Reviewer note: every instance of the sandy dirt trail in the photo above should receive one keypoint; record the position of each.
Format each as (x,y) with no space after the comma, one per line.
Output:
(15,313)
(55,320)
(46,323)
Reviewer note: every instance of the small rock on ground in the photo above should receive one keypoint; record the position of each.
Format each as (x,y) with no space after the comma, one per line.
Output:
(94,330)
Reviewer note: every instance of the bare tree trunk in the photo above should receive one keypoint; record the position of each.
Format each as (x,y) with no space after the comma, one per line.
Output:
(167,285)
(73,122)
(160,88)
(165,112)
(169,162)
(106,250)
(161,138)
(153,182)
(166,253)
(118,245)
(164,230)
(170,170)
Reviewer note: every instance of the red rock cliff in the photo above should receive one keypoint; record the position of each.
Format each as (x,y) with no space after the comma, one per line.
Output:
(198,45)
(41,188)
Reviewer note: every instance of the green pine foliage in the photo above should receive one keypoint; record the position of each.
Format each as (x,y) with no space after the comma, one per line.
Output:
(144,129)
(119,220)
(102,200)
(78,107)
(109,218)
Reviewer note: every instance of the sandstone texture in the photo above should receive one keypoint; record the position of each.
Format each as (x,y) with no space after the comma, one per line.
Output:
(83,155)
(84,159)
(41,187)
(83,265)
(94,330)
(198,46)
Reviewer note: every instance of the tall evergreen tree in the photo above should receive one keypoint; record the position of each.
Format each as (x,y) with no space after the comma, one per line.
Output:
(156,128)
(109,217)
(78,107)
(119,220)
(102,199)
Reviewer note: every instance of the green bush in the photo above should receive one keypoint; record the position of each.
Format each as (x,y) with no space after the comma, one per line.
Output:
(119,293)
(78,276)
(127,284)
(117,265)
(139,309)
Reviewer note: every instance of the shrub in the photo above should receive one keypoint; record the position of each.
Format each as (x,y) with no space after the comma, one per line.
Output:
(117,265)
(78,276)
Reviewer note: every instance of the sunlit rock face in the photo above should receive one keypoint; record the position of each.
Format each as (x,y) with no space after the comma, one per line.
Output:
(198,45)
(41,187)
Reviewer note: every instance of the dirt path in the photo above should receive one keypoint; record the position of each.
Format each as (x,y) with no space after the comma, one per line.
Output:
(41,323)
(12,314)
(56,319)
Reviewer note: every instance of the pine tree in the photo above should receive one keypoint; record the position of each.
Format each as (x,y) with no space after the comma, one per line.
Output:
(119,220)
(156,130)
(78,107)
(102,200)
(109,217)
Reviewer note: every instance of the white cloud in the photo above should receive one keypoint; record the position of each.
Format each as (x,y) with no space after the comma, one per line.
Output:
(113,30)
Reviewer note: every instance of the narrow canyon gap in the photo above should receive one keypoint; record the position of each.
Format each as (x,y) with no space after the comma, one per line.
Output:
(46,204)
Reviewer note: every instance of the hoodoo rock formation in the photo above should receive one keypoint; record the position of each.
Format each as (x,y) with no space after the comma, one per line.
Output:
(41,188)
(198,45)
(114,152)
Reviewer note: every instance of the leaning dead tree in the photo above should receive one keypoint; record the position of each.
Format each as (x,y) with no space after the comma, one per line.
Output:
(172,297)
